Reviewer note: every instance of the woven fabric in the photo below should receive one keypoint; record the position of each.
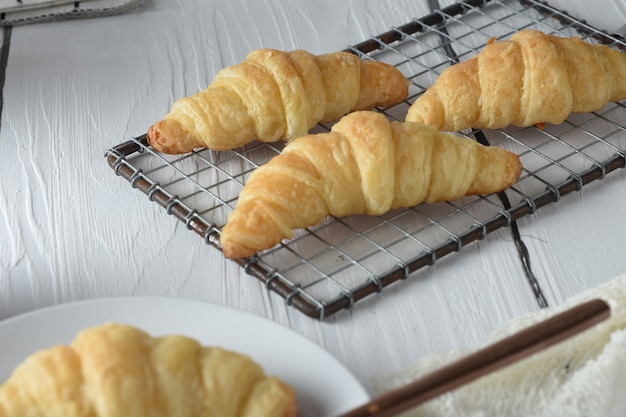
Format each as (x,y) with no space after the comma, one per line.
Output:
(583,376)
(21,12)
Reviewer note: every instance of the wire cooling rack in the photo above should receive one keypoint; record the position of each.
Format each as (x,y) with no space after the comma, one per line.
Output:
(331,266)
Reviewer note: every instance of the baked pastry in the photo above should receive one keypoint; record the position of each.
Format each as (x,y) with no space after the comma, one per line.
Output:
(365,164)
(117,370)
(533,78)
(275,95)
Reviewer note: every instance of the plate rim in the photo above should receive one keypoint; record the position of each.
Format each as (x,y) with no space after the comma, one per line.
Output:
(356,391)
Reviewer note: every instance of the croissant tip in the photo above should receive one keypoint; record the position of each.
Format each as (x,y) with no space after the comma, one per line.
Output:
(156,139)
(230,246)
(168,136)
(234,251)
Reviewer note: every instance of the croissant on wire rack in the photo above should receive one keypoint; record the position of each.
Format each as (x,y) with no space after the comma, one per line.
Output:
(533,78)
(365,164)
(275,95)
(117,370)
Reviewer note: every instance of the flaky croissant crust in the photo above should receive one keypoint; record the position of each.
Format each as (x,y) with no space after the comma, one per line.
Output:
(365,164)
(116,370)
(532,78)
(274,95)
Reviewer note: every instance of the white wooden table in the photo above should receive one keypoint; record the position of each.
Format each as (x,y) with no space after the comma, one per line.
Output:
(70,229)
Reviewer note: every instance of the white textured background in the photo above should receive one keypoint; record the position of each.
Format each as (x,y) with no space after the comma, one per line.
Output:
(71,230)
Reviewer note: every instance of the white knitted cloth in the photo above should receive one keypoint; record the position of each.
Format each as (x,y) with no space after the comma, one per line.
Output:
(13,12)
(583,376)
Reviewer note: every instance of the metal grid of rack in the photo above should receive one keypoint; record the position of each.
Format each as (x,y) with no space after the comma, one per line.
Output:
(329,267)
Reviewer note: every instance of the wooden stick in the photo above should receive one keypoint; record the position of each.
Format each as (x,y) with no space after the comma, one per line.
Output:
(498,355)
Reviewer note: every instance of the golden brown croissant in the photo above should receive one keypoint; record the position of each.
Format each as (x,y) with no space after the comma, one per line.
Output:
(117,370)
(275,95)
(365,164)
(533,78)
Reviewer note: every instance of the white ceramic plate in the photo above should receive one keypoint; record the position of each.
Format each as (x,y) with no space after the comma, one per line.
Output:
(324,387)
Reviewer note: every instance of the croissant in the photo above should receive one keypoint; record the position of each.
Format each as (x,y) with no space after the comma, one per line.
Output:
(365,164)
(533,78)
(275,95)
(116,370)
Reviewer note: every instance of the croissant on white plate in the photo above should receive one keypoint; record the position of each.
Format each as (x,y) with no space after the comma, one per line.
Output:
(531,79)
(274,95)
(365,164)
(116,370)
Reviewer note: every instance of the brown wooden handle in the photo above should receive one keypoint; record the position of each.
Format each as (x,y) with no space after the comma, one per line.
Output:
(500,354)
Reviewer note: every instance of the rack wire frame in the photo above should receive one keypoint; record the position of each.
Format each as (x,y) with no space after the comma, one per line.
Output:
(329,267)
